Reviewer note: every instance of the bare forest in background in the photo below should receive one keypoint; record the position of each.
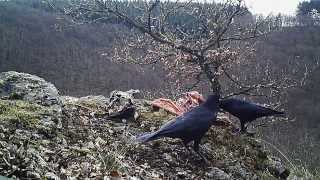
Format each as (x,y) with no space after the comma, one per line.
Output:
(76,58)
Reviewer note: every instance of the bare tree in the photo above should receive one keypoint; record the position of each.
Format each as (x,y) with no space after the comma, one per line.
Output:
(196,42)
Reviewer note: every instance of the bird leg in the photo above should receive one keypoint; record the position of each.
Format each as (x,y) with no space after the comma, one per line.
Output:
(196,149)
(185,144)
(243,129)
(250,133)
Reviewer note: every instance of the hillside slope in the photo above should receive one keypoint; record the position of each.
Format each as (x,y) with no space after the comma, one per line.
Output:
(40,42)
(81,143)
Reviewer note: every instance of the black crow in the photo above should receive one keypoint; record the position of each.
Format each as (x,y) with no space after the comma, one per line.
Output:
(190,126)
(246,111)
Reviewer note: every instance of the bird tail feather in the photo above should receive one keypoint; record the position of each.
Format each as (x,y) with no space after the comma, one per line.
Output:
(280,114)
(146,137)
(276,113)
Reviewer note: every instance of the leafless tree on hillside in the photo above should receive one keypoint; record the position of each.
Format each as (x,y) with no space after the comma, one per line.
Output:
(196,42)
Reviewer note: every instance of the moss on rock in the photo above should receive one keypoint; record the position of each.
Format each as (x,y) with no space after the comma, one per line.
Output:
(20,112)
(1,83)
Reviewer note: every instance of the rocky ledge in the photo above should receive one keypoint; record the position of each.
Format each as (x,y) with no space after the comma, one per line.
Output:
(47,136)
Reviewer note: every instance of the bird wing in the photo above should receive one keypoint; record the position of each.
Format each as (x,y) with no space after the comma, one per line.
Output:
(264,111)
(197,119)
(255,110)
(246,110)
(191,125)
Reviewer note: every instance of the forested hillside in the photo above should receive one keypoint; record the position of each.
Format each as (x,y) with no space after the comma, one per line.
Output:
(297,45)
(37,40)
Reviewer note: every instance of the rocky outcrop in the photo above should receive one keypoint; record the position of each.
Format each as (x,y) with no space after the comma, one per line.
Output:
(22,86)
(20,90)
(88,145)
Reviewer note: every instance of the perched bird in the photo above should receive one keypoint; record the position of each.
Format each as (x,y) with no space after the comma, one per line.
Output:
(190,126)
(246,111)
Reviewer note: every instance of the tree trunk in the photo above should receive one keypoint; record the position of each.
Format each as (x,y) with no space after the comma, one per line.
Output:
(212,76)
(215,85)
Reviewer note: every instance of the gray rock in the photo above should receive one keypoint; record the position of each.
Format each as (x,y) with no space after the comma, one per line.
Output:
(33,175)
(131,94)
(133,178)
(238,170)
(122,97)
(181,173)
(99,100)
(218,174)
(168,157)
(14,85)
(68,99)
(51,176)
(33,89)
(276,167)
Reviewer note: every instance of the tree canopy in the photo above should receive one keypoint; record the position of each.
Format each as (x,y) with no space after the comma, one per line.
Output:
(195,41)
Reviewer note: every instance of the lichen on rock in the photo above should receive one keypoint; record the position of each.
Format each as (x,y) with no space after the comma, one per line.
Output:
(28,87)
(22,88)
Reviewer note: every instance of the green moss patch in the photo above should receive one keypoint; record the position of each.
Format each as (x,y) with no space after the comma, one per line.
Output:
(20,112)
(1,82)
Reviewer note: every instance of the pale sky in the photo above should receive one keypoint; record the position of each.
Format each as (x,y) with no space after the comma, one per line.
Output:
(266,7)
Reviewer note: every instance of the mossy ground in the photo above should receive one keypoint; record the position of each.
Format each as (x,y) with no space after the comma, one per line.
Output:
(96,148)
(1,82)
(21,112)
(300,172)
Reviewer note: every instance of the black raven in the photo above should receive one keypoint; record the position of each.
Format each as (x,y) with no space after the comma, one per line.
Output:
(190,126)
(246,111)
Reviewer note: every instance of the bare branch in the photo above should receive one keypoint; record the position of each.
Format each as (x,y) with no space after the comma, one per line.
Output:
(232,79)
(194,85)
